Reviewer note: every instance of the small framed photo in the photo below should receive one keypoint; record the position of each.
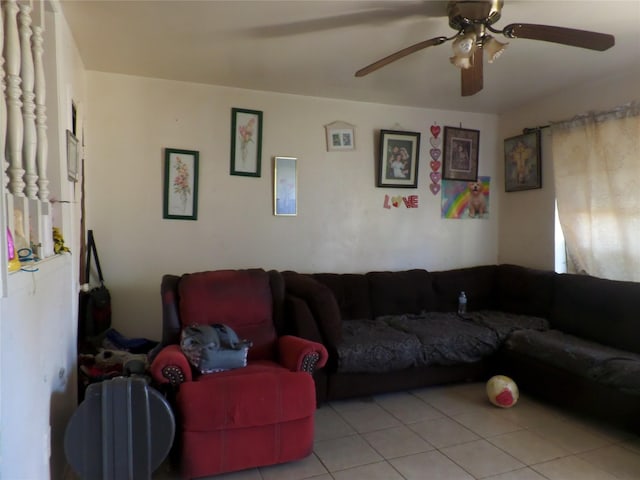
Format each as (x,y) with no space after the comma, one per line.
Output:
(246,142)
(285,186)
(73,155)
(460,161)
(522,162)
(180,184)
(340,136)
(398,159)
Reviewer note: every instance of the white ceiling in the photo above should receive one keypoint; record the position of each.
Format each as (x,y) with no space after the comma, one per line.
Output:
(314,47)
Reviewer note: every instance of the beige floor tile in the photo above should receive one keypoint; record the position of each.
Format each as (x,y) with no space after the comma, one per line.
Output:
(396,442)
(406,407)
(521,474)
(341,453)
(365,416)
(250,474)
(374,471)
(528,447)
(571,468)
(487,424)
(430,465)
(328,424)
(616,460)
(572,436)
(449,402)
(443,432)
(305,468)
(632,444)
(482,459)
(531,414)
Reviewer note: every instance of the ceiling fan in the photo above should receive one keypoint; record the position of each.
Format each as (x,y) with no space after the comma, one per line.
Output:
(473,21)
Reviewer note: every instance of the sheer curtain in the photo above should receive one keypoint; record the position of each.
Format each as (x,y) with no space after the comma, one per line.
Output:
(597,175)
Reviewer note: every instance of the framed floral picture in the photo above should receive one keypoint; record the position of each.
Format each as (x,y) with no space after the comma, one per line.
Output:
(398,159)
(285,186)
(246,142)
(460,154)
(180,184)
(522,162)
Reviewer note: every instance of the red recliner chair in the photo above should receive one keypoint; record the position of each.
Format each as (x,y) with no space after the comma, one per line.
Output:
(259,415)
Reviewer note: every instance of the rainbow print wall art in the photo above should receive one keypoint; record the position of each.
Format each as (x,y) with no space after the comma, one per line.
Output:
(466,199)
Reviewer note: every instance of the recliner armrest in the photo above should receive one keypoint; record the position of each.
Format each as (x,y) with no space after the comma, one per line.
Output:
(171,366)
(301,355)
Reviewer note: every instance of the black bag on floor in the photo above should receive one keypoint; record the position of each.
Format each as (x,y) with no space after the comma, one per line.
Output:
(94,309)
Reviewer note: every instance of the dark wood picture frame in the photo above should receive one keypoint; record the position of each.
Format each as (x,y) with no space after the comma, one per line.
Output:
(246,142)
(398,158)
(523,162)
(460,154)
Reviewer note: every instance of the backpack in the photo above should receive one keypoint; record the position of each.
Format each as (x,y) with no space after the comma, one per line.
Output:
(214,348)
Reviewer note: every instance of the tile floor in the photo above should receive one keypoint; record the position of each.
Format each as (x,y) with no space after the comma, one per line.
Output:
(454,433)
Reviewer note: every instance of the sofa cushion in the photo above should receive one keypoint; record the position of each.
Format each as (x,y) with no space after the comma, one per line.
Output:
(477,282)
(351,291)
(394,293)
(239,298)
(605,311)
(372,346)
(610,366)
(445,338)
(525,291)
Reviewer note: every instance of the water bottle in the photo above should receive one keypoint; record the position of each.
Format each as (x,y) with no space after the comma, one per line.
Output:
(462,303)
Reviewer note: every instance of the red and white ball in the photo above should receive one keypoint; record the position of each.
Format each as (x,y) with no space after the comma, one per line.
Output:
(502,391)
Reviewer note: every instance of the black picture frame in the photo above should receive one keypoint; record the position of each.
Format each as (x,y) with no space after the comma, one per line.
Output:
(246,142)
(460,154)
(180,200)
(398,159)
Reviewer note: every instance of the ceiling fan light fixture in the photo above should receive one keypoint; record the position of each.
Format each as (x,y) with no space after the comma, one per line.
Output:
(493,48)
(463,48)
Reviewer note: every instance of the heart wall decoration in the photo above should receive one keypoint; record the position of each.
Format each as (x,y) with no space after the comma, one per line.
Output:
(435,153)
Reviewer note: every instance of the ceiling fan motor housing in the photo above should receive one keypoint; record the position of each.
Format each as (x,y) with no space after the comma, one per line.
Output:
(465,13)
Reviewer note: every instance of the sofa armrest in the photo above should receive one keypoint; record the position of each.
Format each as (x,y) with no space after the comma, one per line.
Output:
(301,321)
(321,303)
(300,355)
(171,367)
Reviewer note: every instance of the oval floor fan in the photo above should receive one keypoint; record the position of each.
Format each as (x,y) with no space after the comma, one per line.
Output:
(473,22)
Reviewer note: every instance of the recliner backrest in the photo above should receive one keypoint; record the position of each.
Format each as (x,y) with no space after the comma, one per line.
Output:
(242,299)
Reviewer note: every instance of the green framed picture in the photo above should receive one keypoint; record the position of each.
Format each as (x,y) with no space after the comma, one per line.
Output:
(180,184)
(246,142)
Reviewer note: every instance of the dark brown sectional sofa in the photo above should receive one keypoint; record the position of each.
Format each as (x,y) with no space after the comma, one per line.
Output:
(571,339)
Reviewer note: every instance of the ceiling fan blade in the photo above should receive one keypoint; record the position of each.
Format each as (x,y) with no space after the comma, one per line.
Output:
(472,78)
(565,36)
(400,54)
(380,13)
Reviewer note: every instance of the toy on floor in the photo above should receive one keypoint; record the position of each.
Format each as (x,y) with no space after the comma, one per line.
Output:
(502,391)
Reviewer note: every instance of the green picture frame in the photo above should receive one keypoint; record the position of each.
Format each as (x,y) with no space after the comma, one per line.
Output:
(180,184)
(246,142)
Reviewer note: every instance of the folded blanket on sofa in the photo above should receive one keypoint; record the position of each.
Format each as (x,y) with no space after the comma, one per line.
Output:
(445,338)
(503,323)
(371,346)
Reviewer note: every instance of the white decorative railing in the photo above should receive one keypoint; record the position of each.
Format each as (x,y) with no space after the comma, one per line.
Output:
(23,127)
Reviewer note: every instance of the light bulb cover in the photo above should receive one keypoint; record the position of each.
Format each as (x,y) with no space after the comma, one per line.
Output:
(493,48)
